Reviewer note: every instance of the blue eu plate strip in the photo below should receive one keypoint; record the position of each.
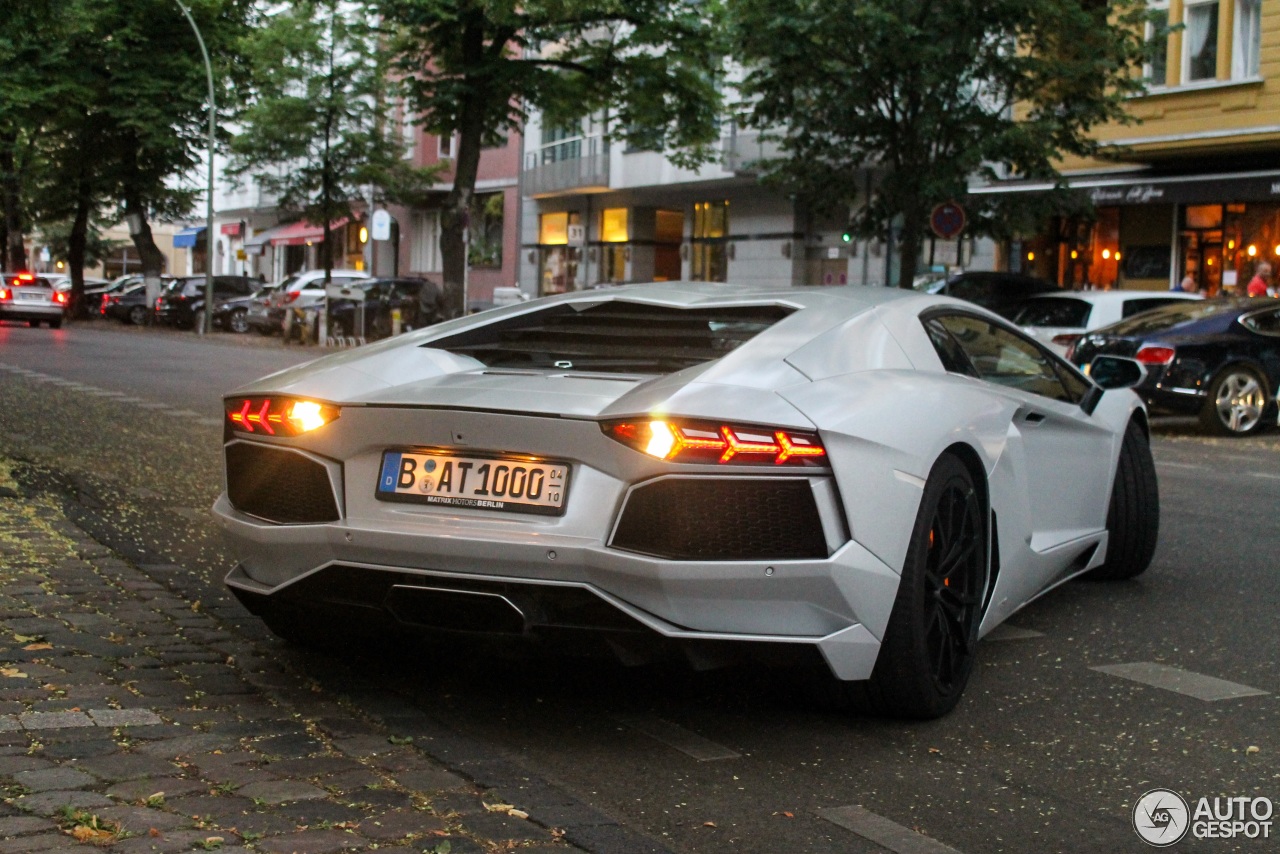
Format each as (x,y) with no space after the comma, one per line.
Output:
(390,470)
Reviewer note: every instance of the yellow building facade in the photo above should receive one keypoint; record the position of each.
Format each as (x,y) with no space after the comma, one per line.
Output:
(1192,187)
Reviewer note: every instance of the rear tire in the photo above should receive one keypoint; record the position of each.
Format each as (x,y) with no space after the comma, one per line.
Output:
(1236,402)
(138,315)
(1133,517)
(55,324)
(930,645)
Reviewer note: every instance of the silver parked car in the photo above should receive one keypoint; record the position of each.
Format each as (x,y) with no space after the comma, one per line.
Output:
(29,297)
(863,477)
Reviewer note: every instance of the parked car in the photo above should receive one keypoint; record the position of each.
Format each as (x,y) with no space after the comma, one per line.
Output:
(1002,293)
(1218,359)
(26,296)
(688,465)
(300,291)
(182,304)
(1057,320)
(130,305)
(233,314)
(368,314)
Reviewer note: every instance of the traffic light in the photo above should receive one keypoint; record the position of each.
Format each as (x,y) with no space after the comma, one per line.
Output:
(847,235)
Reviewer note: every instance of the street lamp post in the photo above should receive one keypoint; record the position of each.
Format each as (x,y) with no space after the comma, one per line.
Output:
(205,324)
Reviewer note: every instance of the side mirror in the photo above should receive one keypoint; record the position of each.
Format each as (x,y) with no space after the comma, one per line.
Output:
(1116,372)
(1110,372)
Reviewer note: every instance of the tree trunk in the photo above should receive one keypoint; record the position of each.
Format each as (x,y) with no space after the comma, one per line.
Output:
(76,249)
(149,254)
(913,223)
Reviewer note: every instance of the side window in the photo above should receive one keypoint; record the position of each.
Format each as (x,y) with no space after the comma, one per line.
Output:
(1264,322)
(949,352)
(1003,358)
(1137,306)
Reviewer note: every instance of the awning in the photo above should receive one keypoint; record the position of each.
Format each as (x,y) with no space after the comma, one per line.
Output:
(188,237)
(1138,188)
(300,233)
(256,244)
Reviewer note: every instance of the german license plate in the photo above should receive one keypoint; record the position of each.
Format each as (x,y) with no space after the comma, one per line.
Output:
(479,483)
(27,295)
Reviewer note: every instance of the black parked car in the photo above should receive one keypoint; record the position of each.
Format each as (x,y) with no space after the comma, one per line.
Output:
(380,298)
(233,314)
(182,304)
(129,305)
(1219,359)
(1003,293)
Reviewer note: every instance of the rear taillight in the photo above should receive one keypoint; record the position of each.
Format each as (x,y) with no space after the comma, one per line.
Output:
(1067,339)
(290,297)
(6,294)
(683,441)
(59,297)
(278,416)
(1155,355)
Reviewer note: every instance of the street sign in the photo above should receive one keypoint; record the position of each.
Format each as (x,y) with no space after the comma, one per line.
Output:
(577,235)
(381,225)
(948,220)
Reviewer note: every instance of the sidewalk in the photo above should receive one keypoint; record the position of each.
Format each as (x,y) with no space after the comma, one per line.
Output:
(131,717)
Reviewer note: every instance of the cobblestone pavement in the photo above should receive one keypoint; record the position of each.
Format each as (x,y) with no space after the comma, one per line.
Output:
(133,717)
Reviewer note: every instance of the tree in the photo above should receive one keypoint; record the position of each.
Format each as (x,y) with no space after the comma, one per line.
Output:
(314,132)
(926,94)
(475,68)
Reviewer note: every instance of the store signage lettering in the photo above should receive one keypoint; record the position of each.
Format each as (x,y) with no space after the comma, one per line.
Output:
(1130,196)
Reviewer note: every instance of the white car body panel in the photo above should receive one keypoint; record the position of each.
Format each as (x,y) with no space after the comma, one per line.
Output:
(852,364)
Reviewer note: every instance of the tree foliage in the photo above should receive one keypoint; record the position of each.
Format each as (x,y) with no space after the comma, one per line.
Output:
(926,94)
(476,67)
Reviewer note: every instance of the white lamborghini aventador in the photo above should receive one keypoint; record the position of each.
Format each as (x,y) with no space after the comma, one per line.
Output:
(868,478)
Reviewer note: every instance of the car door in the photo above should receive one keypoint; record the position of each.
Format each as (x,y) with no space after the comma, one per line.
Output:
(1057,454)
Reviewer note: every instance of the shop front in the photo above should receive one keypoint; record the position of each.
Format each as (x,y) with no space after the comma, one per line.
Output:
(1155,232)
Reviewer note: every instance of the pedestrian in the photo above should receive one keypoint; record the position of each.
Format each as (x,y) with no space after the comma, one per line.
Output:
(430,304)
(1258,285)
(1188,284)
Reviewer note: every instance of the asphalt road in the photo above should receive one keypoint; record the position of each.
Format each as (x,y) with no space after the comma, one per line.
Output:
(1045,753)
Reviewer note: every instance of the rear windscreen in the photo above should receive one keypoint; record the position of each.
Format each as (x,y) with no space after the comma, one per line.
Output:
(1171,315)
(614,336)
(1053,312)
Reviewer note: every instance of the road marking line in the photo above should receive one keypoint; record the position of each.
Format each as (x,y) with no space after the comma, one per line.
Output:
(156,406)
(1177,465)
(883,832)
(182,413)
(210,422)
(688,743)
(1264,474)
(1006,632)
(1180,681)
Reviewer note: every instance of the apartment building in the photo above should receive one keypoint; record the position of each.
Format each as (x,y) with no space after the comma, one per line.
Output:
(599,213)
(1194,187)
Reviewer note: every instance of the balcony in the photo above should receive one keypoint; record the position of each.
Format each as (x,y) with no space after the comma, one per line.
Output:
(578,164)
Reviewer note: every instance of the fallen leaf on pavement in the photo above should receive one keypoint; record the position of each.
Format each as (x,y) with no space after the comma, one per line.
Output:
(12,673)
(498,807)
(34,647)
(708,824)
(85,833)
(517,814)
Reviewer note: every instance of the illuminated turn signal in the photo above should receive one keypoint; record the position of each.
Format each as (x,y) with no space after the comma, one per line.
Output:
(277,416)
(707,442)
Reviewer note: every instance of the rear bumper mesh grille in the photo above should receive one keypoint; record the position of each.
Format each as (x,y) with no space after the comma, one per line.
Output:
(722,519)
(279,485)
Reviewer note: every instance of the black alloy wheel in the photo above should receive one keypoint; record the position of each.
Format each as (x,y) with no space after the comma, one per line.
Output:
(930,645)
(138,315)
(238,322)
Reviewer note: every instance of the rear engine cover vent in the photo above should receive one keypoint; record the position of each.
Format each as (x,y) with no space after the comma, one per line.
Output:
(279,485)
(722,519)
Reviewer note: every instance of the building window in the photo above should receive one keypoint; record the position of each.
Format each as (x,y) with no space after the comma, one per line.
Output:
(486,230)
(710,259)
(558,262)
(1247,41)
(1156,71)
(613,225)
(408,131)
(561,143)
(553,229)
(446,147)
(1200,41)
(425,254)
